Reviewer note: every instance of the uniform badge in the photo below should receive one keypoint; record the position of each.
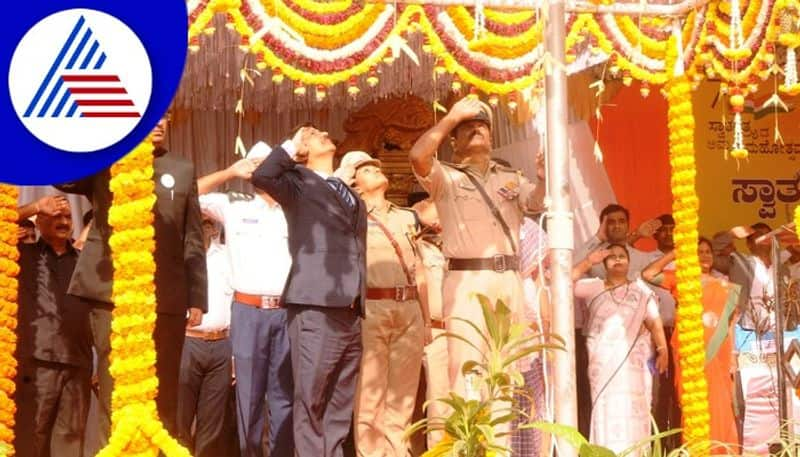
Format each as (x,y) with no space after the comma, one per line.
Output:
(168,181)
(509,191)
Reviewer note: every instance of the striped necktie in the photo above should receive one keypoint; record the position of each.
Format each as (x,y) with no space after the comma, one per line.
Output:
(341,188)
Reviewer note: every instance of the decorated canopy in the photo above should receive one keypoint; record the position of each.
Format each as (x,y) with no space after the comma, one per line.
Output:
(322,43)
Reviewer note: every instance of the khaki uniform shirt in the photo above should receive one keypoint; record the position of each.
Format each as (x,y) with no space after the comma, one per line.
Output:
(383,266)
(469,230)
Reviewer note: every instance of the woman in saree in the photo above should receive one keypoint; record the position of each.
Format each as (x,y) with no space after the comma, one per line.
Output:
(719,304)
(622,329)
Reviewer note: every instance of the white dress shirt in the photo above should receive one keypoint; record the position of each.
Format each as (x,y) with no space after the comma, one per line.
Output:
(220,292)
(257,239)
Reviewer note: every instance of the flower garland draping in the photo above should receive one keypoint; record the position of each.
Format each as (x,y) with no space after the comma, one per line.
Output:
(334,45)
(498,52)
(8,314)
(136,428)
(685,205)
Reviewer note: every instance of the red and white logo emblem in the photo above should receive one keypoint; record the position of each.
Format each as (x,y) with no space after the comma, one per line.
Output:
(80,80)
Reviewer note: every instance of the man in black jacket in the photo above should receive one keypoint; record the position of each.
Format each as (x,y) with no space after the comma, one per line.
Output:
(325,290)
(54,345)
(180,273)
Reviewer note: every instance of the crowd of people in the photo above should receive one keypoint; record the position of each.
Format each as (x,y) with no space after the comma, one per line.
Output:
(299,319)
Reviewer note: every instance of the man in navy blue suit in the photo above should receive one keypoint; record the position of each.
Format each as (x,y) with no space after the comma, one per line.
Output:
(324,293)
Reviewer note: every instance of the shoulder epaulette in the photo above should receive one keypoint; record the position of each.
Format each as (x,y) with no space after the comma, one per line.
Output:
(239,197)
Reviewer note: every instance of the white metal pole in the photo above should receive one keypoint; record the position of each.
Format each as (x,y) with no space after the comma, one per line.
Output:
(559,223)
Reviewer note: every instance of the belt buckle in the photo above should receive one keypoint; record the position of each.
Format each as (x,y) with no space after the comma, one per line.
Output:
(500,263)
(267,302)
(400,293)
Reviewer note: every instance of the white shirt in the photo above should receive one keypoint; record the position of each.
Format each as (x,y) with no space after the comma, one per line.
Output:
(666,302)
(257,238)
(220,292)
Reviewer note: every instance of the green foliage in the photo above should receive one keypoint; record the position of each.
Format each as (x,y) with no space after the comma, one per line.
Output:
(472,427)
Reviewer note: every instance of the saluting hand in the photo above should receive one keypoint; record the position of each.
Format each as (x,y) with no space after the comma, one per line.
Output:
(598,256)
(648,228)
(601,231)
(464,109)
(52,205)
(243,168)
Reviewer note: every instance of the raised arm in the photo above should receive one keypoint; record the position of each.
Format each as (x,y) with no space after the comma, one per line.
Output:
(582,267)
(50,205)
(650,273)
(424,150)
(535,198)
(273,175)
(242,169)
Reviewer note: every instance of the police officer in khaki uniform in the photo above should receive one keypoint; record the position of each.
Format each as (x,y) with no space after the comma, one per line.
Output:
(394,330)
(480,238)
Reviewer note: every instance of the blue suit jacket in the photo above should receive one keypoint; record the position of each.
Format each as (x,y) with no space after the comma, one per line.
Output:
(327,240)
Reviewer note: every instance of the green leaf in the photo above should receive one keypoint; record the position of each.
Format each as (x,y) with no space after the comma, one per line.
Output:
(477,329)
(461,338)
(492,326)
(593,450)
(571,434)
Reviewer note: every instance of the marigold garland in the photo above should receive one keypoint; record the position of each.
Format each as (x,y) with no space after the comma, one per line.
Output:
(136,429)
(325,36)
(507,47)
(326,7)
(8,314)
(507,17)
(694,398)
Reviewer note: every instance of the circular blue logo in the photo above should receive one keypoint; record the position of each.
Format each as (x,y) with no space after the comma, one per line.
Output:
(87,81)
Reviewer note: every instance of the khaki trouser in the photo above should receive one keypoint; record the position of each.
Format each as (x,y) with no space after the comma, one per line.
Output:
(438,382)
(393,339)
(459,300)
(459,290)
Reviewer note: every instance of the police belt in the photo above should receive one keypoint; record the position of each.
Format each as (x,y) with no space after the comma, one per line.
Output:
(401,293)
(498,263)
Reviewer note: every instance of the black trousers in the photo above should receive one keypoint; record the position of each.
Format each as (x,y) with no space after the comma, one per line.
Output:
(52,406)
(326,354)
(582,385)
(168,335)
(204,394)
(666,404)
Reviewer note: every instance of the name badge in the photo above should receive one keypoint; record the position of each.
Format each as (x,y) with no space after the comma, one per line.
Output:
(509,191)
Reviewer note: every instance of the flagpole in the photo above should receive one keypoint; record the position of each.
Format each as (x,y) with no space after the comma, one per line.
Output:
(560,222)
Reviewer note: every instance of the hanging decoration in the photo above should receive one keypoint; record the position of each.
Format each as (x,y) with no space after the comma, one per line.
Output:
(136,429)
(8,313)
(790,38)
(685,205)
